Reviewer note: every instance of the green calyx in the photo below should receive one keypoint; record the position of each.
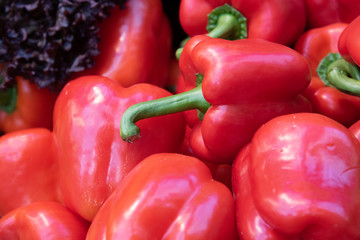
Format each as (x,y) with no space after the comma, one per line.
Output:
(192,99)
(227,23)
(224,22)
(336,72)
(8,99)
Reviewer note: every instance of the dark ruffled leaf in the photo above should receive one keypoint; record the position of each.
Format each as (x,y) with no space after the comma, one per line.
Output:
(46,41)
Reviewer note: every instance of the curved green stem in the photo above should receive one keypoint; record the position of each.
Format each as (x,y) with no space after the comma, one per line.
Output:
(345,77)
(227,23)
(192,99)
(224,22)
(8,99)
(339,73)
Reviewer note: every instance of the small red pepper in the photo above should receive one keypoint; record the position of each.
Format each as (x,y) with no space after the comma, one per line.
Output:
(299,178)
(315,44)
(43,221)
(324,12)
(28,168)
(235,88)
(25,105)
(273,20)
(167,196)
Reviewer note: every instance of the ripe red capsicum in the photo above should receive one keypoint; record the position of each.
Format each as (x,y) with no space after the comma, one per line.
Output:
(25,106)
(299,178)
(315,44)
(93,158)
(273,20)
(235,88)
(84,158)
(323,12)
(135,44)
(28,168)
(342,70)
(167,196)
(43,221)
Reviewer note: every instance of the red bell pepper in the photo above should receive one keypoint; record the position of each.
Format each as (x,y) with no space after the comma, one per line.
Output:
(167,196)
(43,221)
(314,45)
(279,21)
(299,178)
(324,12)
(82,161)
(93,158)
(349,46)
(342,70)
(240,90)
(25,105)
(28,168)
(135,44)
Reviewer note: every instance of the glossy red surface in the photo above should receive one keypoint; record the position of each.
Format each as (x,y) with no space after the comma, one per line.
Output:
(167,196)
(301,175)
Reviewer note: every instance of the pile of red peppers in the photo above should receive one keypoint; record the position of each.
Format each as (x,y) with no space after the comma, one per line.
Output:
(246,128)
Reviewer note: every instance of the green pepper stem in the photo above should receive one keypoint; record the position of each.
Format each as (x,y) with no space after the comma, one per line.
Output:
(344,76)
(192,99)
(226,27)
(8,99)
(224,22)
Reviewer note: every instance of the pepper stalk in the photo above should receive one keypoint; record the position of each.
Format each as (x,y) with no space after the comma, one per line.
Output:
(8,98)
(224,22)
(192,99)
(335,71)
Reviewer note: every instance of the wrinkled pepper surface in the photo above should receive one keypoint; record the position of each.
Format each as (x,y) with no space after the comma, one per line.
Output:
(91,159)
(235,88)
(273,20)
(323,12)
(43,221)
(167,196)
(299,178)
(315,44)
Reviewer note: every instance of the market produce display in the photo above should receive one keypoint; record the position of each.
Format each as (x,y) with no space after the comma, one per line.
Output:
(186,119)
